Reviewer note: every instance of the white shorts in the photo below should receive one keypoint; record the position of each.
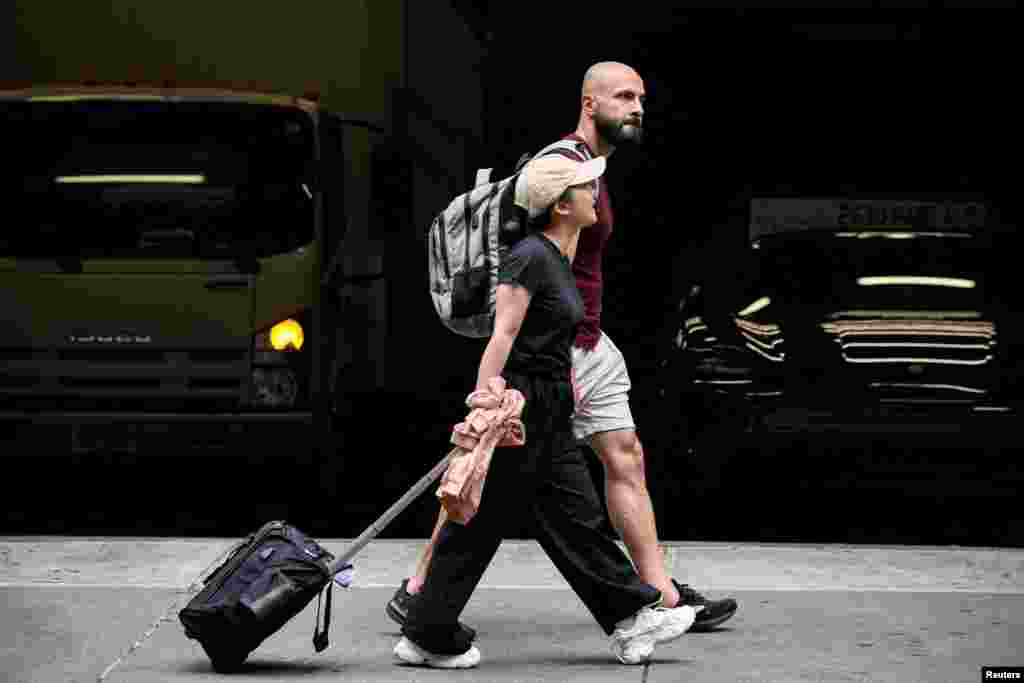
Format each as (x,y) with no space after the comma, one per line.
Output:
(601,385)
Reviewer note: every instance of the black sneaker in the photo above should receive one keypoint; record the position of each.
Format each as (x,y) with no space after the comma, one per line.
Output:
(398,609)
(714,613)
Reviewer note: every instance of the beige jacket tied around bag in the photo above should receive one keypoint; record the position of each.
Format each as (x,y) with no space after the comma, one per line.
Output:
(494,420)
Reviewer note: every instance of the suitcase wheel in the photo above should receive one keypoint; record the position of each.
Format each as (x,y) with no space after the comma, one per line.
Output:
(225,661)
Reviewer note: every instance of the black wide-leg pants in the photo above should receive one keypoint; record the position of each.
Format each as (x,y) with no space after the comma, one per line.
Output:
(547,483)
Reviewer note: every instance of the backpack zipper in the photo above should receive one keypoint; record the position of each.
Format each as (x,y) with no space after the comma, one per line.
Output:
(469,231)
(442,245)
(486,221)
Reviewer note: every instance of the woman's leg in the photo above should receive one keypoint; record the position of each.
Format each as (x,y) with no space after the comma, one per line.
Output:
(460,557)
(569,520)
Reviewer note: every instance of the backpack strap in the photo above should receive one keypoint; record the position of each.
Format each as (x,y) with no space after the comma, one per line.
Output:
(522,162)
(483,176)
(554,147)
(568,146)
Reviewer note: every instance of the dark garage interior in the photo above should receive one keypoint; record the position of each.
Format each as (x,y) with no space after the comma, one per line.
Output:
(876,100)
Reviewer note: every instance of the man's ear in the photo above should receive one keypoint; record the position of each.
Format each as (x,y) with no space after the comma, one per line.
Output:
(588,103)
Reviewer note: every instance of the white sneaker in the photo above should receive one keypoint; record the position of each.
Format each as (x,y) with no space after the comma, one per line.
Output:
(652,625)
(410,653)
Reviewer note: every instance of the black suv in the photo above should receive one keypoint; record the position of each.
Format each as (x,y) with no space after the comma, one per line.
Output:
(834,357)
(854,326)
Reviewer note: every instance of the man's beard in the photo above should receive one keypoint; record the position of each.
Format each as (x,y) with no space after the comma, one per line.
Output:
(618,132)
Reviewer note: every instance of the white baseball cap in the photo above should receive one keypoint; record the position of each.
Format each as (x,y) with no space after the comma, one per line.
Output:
(542,181)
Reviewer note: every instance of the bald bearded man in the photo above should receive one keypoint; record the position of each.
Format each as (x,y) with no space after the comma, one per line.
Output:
(611,115)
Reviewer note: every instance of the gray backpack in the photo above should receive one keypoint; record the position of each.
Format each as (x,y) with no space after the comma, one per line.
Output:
(465,244)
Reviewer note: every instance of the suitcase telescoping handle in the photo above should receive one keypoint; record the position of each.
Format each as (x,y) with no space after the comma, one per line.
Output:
(378,526)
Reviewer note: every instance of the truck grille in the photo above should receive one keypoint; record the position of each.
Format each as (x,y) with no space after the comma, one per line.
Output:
(124,379)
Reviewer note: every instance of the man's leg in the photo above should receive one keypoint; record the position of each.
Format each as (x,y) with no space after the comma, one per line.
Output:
(604,420)
(630,507)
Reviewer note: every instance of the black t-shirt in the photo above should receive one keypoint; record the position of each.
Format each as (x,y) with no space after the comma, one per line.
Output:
(542,346)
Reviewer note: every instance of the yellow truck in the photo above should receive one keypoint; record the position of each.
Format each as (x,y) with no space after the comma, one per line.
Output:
(162,265)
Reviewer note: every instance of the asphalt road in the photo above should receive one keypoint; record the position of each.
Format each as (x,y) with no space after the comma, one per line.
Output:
(105,609)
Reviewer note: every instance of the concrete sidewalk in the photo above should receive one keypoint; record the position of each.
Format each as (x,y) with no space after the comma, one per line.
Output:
(80,609)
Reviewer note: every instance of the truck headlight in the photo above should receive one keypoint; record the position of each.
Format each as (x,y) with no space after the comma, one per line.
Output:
(286,335)
(280,369)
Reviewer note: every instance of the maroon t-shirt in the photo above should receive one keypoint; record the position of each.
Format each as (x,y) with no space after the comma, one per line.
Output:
(586,266)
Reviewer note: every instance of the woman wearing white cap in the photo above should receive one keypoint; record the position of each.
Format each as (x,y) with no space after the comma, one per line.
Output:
(537,310)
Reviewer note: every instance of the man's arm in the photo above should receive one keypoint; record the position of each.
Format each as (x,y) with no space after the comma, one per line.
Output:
(510,310)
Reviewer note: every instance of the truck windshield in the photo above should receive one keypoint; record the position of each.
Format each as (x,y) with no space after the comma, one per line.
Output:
(154,179)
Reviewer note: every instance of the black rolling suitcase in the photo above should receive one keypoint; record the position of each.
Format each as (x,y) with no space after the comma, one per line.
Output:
(270,577)
(266,580)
